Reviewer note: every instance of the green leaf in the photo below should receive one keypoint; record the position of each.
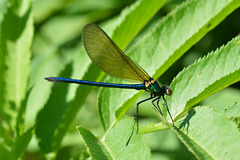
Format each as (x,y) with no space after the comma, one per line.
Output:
(205,77)
(21,144)
(72,109)
(140,13)
(21,114)
(113,146)
(158,50)
(209,134)
(15,46)
(4,153)
(51,116)
(6,138)
(52,34)
(75,15)
(95,147)
(233,113)
(223,98)
(47,64)
(3,8)
(43,9)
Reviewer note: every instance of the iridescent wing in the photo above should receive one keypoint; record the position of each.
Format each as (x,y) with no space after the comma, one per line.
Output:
(109,57)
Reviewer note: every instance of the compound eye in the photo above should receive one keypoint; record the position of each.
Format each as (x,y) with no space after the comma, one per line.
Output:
(168,91)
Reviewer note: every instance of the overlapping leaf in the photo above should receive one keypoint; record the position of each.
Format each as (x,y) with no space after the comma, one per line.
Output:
(114,146)
(205,77)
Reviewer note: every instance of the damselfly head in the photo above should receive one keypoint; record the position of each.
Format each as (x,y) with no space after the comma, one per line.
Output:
(168,91)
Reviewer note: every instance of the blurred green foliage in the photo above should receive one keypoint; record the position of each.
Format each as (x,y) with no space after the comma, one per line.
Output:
(43,38)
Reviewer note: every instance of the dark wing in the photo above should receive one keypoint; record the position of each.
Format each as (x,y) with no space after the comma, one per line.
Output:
(109,57)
